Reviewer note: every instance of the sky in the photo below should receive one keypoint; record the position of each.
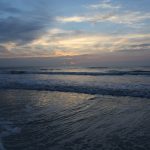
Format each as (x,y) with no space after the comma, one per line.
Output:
(75,32)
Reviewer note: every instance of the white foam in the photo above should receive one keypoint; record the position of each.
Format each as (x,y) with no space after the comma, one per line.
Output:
(7,129)
(28,108)
(1,145)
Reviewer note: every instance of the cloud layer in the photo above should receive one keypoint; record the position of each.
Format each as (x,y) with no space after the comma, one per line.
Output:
(33,30)
(105,12)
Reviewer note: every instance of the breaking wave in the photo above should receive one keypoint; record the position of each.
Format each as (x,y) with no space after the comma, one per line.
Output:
(79,89)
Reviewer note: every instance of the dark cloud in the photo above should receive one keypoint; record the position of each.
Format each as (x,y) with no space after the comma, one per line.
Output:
(22,25)
(134,48)
(142,50)
(4,51)
(6,8)
(144,45)
(18,30)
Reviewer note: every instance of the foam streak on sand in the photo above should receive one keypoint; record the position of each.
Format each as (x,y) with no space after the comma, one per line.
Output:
(7,128)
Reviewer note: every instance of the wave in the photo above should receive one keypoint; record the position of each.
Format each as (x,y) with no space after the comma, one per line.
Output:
(109,73)
(143,93)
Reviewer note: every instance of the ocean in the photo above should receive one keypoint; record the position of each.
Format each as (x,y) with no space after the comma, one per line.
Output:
(75,108)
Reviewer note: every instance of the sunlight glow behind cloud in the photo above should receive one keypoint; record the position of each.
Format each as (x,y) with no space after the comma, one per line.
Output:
(63,35)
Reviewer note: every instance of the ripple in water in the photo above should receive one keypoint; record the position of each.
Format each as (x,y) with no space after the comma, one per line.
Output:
(70,121)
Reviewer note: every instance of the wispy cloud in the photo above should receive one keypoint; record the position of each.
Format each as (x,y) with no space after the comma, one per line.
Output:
(106,4)
(126,18)
(130,18)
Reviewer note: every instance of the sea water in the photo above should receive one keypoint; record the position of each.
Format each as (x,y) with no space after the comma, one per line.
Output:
(94,108)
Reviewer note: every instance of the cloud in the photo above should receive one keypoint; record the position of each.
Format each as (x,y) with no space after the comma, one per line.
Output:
(104,5)
(59,42)
(4,51)
(113,13)
(18,30)
(143,45)
(126,18)
(28,32)
(22,26)
(6,8)
(73,19)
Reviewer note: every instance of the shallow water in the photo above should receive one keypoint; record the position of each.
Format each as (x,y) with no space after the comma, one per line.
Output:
(46,120)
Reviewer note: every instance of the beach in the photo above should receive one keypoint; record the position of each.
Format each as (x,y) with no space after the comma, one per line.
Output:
(74,112)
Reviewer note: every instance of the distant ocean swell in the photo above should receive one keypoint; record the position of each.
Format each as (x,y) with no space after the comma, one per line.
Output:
(110,73)
(133,82)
